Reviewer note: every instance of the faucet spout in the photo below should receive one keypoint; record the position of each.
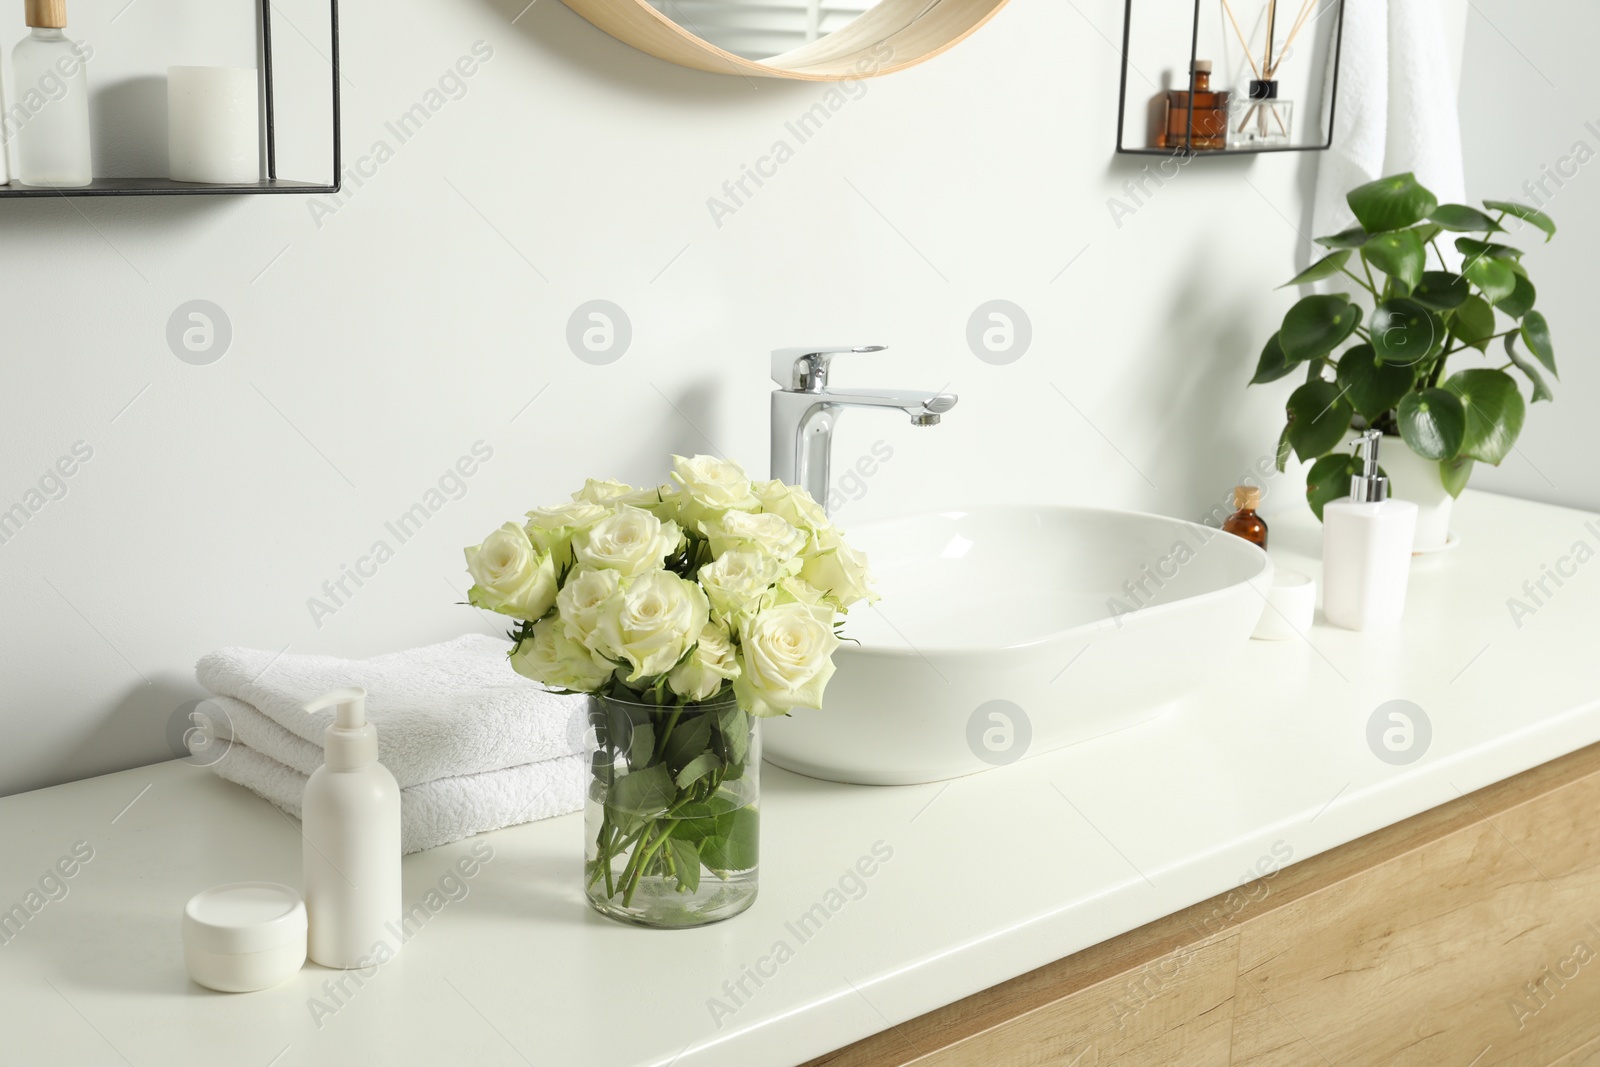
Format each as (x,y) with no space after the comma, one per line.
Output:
(805,410)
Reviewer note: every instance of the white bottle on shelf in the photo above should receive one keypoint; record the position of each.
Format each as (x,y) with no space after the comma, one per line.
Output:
(350,859)
(1366,549)
(49,117)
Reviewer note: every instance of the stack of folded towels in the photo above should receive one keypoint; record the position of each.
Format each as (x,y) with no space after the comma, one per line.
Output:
(473,745)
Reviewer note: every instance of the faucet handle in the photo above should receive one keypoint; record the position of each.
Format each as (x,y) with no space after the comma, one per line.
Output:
(805,370)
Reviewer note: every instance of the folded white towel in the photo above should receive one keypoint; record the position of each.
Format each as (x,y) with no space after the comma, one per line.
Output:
(434,813)
(441,711)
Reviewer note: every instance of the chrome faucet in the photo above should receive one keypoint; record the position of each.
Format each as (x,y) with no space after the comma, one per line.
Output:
(804,411)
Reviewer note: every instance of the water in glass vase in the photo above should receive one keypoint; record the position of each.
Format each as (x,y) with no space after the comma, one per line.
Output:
(672,814)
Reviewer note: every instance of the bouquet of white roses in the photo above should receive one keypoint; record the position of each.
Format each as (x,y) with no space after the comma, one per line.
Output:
(706,600)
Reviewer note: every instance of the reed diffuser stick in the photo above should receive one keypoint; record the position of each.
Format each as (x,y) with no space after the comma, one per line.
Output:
(1272,29)
(1242,41)
(1300,23)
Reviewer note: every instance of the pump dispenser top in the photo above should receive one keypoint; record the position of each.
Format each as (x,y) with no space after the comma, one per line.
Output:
(1369,486)
(351,741)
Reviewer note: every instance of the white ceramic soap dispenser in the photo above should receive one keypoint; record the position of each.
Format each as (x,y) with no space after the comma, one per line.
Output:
(351,826)
(1366,548)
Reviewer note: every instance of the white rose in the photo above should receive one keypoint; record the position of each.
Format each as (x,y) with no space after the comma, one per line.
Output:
(712,662)
(790,591)
(650,622)
(582,597)
(838,570)
(551,529)
(762,532)
(736,578)
(629,541)
(709,486)
(785,658)
(792,504)
(510,576)
(552,657)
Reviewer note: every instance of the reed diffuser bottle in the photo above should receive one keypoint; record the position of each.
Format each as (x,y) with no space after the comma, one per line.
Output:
(1258,118)
(51,87)
(1195,118)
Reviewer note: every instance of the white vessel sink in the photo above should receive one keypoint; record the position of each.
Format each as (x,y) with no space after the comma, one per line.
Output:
(998,637)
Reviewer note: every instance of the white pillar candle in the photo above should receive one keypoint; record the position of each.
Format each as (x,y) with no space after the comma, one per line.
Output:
(213,125)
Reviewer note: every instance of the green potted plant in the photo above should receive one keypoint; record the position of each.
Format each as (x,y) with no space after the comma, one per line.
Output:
(1389,367)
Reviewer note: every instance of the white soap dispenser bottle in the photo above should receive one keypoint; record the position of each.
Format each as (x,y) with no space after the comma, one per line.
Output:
(351,828)
(1366,548)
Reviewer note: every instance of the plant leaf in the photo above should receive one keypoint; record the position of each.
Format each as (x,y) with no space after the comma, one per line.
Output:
(1354,237)
(1473,248)
(1541,391)
(690,737)
(1326,267)
(1495,410)
(1536,335)
(734,726)
(1329,480)
(1284,450)
(1495,278)
(1526,214)
(1403,331)
(1455,472)
(1391,203)
(1319,414)
(1373,385)
(1433,423)
(1522,297)
(646,792)
(697,768)
(1462,219)
(736,845)
(1473,323)
(1273,363)
(1399,255)
(686,860)
(1317,325)
(1441,290)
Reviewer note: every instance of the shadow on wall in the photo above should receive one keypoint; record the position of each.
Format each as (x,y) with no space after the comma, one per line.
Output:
(129,124)
(567,40)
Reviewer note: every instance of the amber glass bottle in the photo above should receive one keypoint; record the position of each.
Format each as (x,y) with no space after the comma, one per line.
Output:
(1245,522)
(1207,117)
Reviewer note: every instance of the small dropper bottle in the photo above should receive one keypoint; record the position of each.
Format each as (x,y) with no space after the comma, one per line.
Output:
(1245,522)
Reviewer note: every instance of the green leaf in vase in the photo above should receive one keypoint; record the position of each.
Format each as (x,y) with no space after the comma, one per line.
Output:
(736,846)
(690,736)
(686,861)
(734,726)
(1373,385)
(1495,410)
(643,792)
(697,768)
(1391,203)
(1319,415)
(1433,423)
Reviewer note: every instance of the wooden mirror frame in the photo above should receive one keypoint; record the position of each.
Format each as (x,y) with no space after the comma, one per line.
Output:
(892,36)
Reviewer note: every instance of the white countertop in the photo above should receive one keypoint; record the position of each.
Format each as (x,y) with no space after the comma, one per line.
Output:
(990,876)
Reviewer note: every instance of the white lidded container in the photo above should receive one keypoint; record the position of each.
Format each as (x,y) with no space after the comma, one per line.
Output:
(351,828)
(244,936)
(1366,549)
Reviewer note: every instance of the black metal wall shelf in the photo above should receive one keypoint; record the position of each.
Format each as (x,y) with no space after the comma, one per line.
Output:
(1186,151)
(270,184)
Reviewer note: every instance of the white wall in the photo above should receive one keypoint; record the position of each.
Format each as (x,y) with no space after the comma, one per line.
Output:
(373,345)
(1530,114)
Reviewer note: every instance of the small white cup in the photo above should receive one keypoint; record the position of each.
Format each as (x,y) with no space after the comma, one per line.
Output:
(1290,608)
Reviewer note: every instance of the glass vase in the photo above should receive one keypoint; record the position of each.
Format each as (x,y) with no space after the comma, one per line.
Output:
(672,814)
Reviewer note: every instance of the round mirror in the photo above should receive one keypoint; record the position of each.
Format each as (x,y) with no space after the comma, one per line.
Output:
(816,40)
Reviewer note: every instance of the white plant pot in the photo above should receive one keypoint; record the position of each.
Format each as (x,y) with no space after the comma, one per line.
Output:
(1416,479)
